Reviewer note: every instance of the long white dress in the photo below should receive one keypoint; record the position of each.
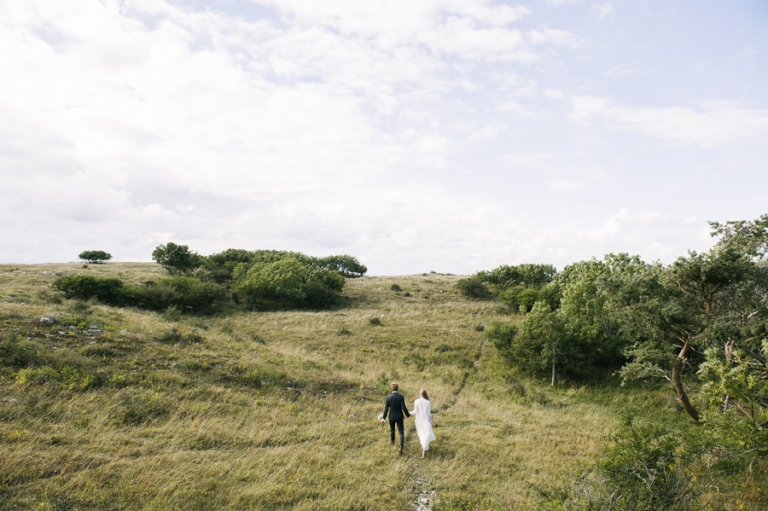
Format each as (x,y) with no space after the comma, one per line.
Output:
(422,410)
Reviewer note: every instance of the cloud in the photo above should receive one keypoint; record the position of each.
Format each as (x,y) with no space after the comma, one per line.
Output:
(603,10)
(553,36)
(565,185)
(710,126)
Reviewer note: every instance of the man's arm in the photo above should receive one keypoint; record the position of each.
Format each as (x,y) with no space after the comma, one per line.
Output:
(386,409)
(405,408)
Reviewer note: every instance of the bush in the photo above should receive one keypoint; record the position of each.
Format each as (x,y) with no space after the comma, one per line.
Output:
(287,282)
(16,352)
(43,374)
(472,288)
(649,466)
(502,335)
(184,293)
(520,297)
(109,290)
(95,256)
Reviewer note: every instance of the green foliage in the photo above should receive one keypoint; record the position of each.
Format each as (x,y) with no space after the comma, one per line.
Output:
(95,256)
(750,237)
(346,265)
(39,375)
(17,352)
(109,290)
(528,275)
(186,294)
(177,259)
(502,334)
(650,466)
(222,264)
(520,297)
(473,288)
(288,282)
(742,375)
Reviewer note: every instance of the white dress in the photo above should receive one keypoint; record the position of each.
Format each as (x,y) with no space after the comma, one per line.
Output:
(422,410)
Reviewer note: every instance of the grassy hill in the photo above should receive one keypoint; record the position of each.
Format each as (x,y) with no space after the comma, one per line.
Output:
(113,408)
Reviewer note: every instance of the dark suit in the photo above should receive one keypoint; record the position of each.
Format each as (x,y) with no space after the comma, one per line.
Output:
(395,407)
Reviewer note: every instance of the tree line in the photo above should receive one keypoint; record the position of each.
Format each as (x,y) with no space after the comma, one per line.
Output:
(700,324)
(254,279)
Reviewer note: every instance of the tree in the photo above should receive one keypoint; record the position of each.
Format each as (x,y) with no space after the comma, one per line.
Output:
(177,259)
(95,256)
(346,265)
(287,282)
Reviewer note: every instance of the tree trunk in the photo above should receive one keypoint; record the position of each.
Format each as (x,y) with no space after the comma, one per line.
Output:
(677,380)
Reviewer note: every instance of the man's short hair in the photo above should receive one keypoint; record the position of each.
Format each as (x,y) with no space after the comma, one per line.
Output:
(394,386)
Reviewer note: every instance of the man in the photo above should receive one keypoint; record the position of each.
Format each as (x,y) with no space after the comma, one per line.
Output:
(394,406)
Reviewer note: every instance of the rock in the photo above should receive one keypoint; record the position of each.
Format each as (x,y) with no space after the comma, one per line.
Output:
(45,321)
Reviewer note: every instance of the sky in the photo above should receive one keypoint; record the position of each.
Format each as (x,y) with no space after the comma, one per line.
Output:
(430,135)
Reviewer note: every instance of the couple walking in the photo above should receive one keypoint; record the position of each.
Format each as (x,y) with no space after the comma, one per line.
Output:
(394,406)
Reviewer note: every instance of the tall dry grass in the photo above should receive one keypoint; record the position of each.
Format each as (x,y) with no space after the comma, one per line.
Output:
(277,410)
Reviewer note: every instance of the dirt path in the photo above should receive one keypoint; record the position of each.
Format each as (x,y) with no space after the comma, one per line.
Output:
(424,495)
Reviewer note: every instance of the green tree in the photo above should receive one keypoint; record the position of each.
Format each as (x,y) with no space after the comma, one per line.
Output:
(346,265)
(95,256)
(177,259)
(287,282)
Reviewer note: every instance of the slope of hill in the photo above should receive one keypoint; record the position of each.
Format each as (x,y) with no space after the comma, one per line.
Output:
(116,408)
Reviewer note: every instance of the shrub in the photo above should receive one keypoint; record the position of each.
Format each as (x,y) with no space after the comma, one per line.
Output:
(184,293)
(43,374)
(520,297)
(375,322)
(109,290)
(395,288)
(16,352)
(287,282)
(648,466)
(502,335)
(95,256)
(472,288)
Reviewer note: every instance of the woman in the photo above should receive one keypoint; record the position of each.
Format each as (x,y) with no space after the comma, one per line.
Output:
(422,410)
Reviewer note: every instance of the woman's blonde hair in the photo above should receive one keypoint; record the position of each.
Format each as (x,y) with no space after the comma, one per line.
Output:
(424,394)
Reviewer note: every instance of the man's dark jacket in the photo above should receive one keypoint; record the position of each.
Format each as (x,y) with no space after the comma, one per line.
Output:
(395,406)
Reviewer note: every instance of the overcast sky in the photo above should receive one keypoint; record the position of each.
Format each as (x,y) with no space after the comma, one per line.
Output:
(416,135)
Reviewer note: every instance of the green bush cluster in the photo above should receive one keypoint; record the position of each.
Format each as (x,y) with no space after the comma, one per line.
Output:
(185,293)
(263,279)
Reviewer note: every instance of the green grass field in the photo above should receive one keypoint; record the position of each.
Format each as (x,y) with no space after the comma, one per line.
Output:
(128,409)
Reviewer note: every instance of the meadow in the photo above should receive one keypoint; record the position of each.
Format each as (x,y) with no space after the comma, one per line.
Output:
(120,408)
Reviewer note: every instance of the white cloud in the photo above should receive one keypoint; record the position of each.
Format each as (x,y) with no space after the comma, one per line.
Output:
(603,10)
(490,131)
(562,185)
(554,94)
(553,36)
(711,125)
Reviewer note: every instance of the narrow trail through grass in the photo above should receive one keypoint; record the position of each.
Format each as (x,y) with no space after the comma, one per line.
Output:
(425,496)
